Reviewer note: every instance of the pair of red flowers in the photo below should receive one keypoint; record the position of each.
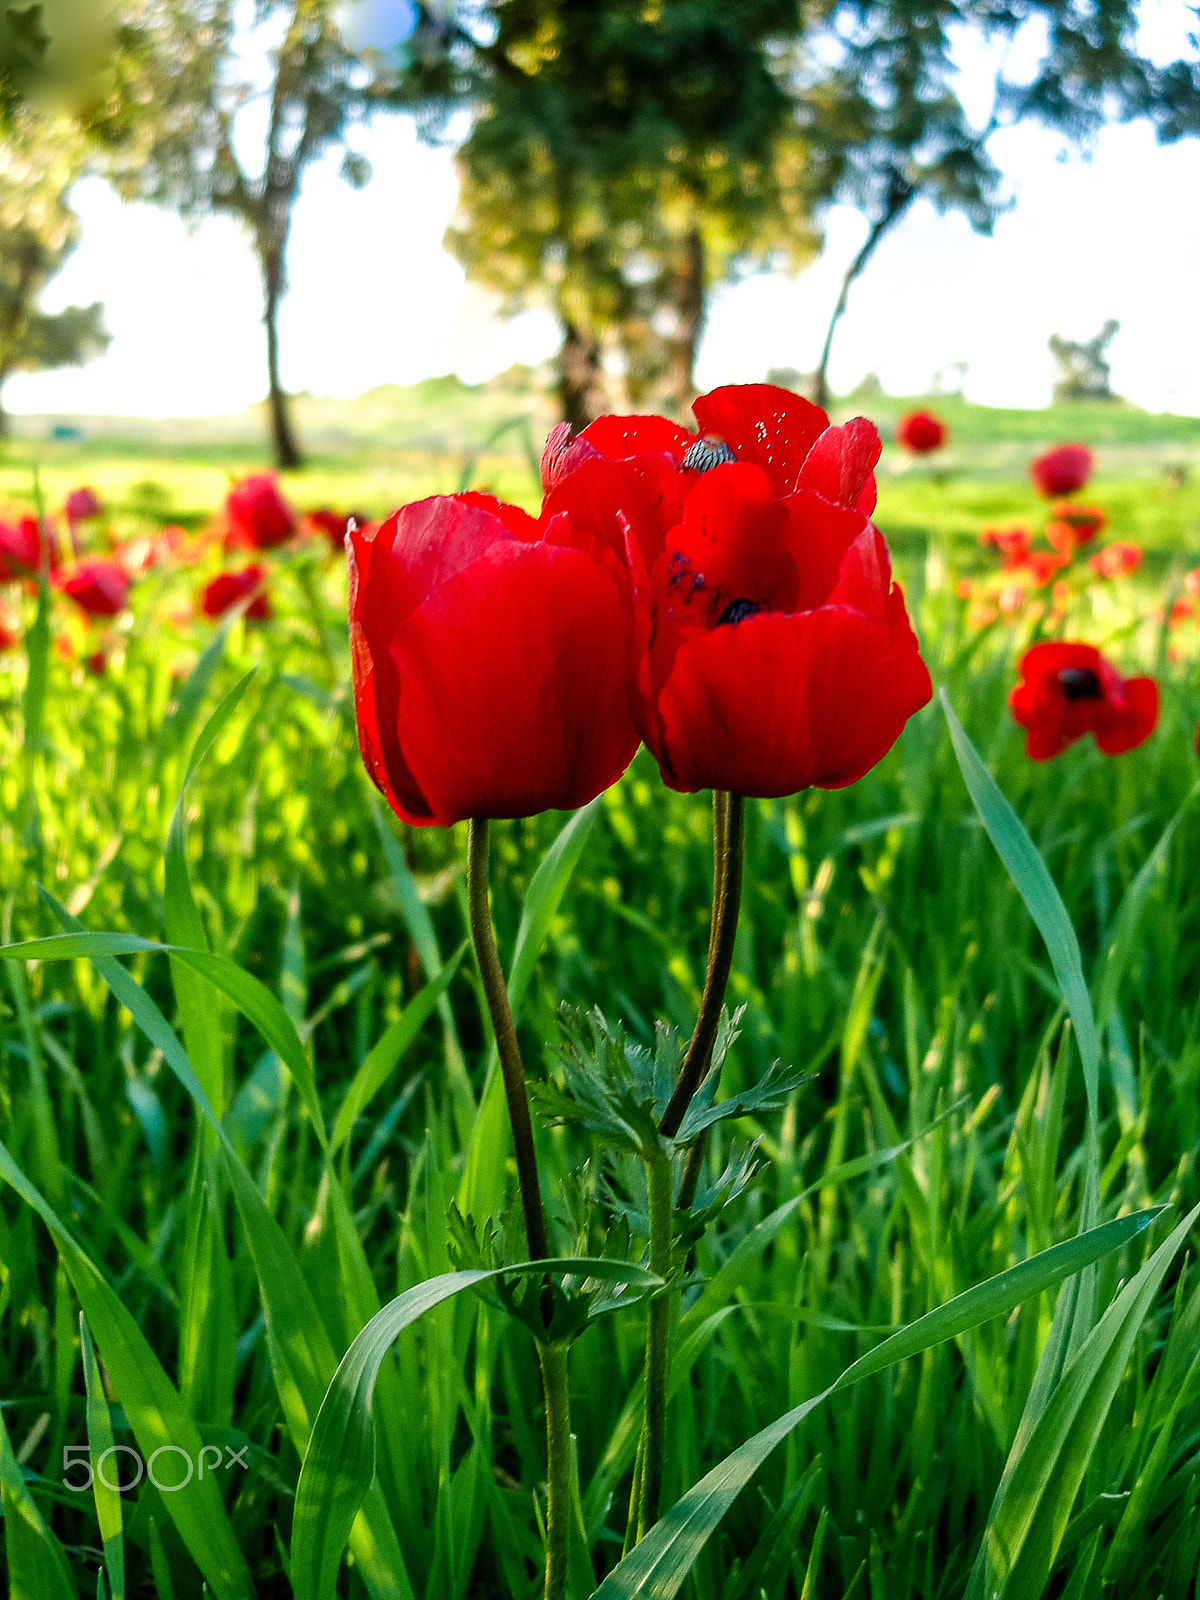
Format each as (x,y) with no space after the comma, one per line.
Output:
(722,596)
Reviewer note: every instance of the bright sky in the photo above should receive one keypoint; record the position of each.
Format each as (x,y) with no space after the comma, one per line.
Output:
(375,299)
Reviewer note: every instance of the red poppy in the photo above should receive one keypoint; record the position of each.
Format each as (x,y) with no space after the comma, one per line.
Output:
(100,587)
(489,658)
(1116,560)
(258,515)
(1067,690)
(788,437)
(333,524)
(1011,542)
(227,589)
(83,504)
(920,432)
(1062,470)
(20,548)
(771,650)
(1040,566)
(1084,521)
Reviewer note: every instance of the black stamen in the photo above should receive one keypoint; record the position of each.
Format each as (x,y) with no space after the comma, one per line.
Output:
(738,611)
(1080,683)
(706,453)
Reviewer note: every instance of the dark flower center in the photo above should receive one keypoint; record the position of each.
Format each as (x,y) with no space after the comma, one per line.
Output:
(707,452)
(738,611)
(1080,683)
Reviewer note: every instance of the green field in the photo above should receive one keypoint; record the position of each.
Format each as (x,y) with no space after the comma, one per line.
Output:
(883,945)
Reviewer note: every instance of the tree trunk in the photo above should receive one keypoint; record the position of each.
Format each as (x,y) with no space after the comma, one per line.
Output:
(580,378)
(899,197)
(690,315)
(287,454)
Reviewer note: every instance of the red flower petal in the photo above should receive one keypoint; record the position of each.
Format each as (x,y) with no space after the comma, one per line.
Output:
(840,466)
(763,424)
(617,438)
(779,703)
(512,685)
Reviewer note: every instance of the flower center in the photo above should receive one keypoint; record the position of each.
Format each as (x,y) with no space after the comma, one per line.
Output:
(737,611)
(1080,683)
(707,452)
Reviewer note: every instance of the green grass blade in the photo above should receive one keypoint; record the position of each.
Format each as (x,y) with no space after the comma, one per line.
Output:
(1028,1521)
(340,1460)
(37,1563)
(1039,892)
(100,1439)
(383,1056)
(658,1566)
(156,1414)
(302,1357)
(1118,953)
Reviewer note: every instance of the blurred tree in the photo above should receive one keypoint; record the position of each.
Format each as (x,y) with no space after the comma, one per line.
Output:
(38,230)
(877,100)
(1083,373)
(201,85)
(623,158)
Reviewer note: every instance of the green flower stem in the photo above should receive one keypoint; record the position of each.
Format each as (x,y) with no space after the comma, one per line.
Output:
(659,1175)
(555,1382)
(727,884)
(506,1041)
(635,1493)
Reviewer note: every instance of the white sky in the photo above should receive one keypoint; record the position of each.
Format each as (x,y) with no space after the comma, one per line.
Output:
(374,298)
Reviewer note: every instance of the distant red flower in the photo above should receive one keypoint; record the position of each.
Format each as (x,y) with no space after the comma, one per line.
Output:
(1038,567)
(1191,582)
(1067,690)
(921,432)
(10,627)
(1062,470)
(1116,560)
(1011,542)
(334,524)
(1085,521)
(147,550)
(20,549)
(100,587)
(226,590)
(1181,611)
(83,504)
(96,663)
(259,516)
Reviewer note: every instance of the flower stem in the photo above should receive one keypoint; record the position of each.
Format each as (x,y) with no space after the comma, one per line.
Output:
(659,1176)
(727,896)
(506,1044)
(555,1382)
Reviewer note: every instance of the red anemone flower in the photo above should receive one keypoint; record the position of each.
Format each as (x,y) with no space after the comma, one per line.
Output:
(333,524)
(1085,521)
(21,548)
(920,432)
(82,504)
(1116,560)
(1067,690)
(100,587)
(1012,543)
(10,627)
(258,515)
(489,658)
(227,589)
(771,650)
(1062,470)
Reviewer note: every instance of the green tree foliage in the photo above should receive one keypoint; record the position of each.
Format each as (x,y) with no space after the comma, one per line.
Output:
(174,135)
(888,127)
(623,158)
(38,230)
